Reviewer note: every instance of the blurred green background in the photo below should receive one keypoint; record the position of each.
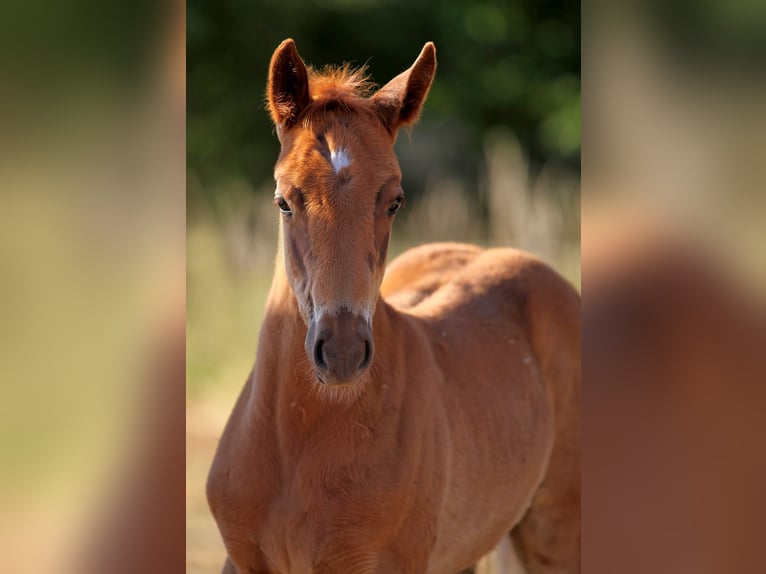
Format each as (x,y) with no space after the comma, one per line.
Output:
(513,64)
(495,160)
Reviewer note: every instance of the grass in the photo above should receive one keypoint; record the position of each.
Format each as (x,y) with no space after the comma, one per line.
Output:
(224,311)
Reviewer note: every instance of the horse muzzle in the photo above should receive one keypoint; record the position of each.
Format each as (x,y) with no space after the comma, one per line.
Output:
(340,347)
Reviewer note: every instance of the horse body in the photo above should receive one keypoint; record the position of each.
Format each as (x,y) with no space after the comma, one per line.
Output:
(461,429)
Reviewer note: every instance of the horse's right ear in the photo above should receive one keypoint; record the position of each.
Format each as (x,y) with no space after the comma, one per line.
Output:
(288,87)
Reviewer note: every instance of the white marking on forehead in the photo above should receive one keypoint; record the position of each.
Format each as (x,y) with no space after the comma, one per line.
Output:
(339,159)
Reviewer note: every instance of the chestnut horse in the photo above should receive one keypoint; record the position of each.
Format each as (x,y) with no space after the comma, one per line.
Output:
(400,424)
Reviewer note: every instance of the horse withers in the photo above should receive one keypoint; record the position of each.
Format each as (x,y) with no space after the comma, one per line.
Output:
(403,420)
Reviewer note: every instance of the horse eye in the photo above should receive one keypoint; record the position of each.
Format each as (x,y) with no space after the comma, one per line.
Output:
(396,205)
(284,207)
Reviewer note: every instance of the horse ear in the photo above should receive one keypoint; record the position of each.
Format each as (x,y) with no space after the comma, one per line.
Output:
(401,99)
(288,87)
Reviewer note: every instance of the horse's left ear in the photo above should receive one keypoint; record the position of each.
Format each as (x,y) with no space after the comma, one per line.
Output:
(400,100)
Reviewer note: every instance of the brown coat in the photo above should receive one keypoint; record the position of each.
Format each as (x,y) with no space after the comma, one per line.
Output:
(463,428)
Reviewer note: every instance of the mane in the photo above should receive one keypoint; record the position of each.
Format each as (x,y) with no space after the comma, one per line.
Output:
(340,82)
(340,87)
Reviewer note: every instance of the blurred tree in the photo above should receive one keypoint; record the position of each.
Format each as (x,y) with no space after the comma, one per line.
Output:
(501,63)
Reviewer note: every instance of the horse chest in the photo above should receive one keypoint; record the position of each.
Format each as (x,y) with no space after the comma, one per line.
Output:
(306,530)
(288,540)
(269,526)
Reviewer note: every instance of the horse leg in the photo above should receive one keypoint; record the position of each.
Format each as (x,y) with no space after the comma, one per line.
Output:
(547,540)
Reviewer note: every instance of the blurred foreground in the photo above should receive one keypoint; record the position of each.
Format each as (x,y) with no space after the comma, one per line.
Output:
(92,296)
(673,284)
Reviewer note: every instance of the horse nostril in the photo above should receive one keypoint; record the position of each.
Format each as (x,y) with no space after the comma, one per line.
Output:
(367,355)
(319,359)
